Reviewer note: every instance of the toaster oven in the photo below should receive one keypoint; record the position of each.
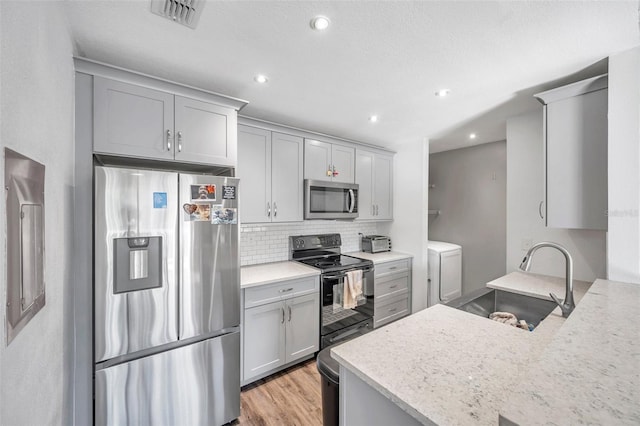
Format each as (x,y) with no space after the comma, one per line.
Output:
(376,243)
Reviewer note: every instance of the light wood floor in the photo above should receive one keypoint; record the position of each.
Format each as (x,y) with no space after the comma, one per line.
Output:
(291,397)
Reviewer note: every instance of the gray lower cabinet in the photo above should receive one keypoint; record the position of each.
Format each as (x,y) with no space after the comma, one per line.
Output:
(280,326)
(392,291)
(270,169)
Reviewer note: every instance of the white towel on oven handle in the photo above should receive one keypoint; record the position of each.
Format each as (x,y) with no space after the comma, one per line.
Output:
(352,288)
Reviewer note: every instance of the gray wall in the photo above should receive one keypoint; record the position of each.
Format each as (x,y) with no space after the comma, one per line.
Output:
(470,192)
(36,110)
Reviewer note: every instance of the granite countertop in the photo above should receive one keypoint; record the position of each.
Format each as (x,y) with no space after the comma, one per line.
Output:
(452,367)
(266,273)
(442,365)
(382,257)
(590,372)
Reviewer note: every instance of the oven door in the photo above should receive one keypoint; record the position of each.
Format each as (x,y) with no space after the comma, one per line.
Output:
(334,317)
(329,200)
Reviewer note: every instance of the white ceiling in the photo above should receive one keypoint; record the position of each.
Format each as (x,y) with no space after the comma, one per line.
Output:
(377,57)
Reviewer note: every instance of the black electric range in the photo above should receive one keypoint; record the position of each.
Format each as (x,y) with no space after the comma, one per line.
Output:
(324,252)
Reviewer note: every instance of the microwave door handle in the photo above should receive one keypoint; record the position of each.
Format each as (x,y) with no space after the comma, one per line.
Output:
(352,204)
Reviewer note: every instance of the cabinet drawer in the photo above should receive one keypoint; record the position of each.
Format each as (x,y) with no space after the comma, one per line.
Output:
(391,267)
(386,313)
(391,285)
(259,295)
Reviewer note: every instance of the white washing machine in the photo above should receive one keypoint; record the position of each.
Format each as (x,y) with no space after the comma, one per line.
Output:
(445,271)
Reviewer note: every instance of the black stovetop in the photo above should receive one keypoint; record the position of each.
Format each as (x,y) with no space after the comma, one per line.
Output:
(335,262)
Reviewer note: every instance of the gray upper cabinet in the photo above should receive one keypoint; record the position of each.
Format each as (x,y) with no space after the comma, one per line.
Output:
(327,161)
(575,120)
(132,120)
(374,173)
(137,121)
(270,166)
(204,132)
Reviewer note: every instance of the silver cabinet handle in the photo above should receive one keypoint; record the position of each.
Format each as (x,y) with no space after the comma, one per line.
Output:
(168,140)
(275,209)
(329,172)
(282,322)
(393,286)
(179,141)
(540,209)
(285,290)
(289,313)
(393,310)
(376,210)
(393,267)
(268,210)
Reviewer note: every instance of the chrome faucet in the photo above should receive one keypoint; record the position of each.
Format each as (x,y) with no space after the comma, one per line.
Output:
(568,305)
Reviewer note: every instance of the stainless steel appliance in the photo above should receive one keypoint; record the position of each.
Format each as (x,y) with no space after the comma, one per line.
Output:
(376,243)
(323,252)
(166,298)
(330,200)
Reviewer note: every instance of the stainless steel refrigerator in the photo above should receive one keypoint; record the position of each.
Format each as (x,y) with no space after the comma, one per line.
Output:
(166,298)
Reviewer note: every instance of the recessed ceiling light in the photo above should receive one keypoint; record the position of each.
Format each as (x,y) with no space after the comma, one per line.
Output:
(261,78)
(373,118)
(472,136)
(320,23)
(442,93)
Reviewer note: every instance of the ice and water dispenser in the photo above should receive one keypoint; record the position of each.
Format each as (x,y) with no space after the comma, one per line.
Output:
(137,263)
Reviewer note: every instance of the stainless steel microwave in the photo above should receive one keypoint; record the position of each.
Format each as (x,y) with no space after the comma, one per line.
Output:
(330,200)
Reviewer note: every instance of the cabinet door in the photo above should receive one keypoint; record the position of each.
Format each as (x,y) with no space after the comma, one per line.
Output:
(131,120)
(205,132)
(450,275)
(382,186)
(264,338)
(364,179)
(317,160)
(254,171)
(577,162)
(286,177)
(343,159)
(303,326)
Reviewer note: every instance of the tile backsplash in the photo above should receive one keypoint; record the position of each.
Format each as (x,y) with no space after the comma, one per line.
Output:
(266,242)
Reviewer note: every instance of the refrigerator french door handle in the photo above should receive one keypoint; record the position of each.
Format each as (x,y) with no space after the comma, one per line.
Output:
(352,197)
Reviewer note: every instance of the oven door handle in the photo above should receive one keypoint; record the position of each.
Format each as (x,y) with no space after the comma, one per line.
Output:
(335,277)
(348,333)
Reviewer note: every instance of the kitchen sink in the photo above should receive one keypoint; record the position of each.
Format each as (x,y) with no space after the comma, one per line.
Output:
(487,300)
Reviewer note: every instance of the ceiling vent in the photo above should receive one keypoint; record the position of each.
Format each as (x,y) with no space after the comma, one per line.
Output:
(185,12)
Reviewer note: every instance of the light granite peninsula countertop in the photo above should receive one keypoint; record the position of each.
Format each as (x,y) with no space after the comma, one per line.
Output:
(445,366)
(267,273)
(381,257)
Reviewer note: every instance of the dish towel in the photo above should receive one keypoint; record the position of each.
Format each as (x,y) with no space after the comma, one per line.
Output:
(352,289)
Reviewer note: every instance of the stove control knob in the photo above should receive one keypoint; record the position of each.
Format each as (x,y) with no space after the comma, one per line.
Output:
(299,243)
